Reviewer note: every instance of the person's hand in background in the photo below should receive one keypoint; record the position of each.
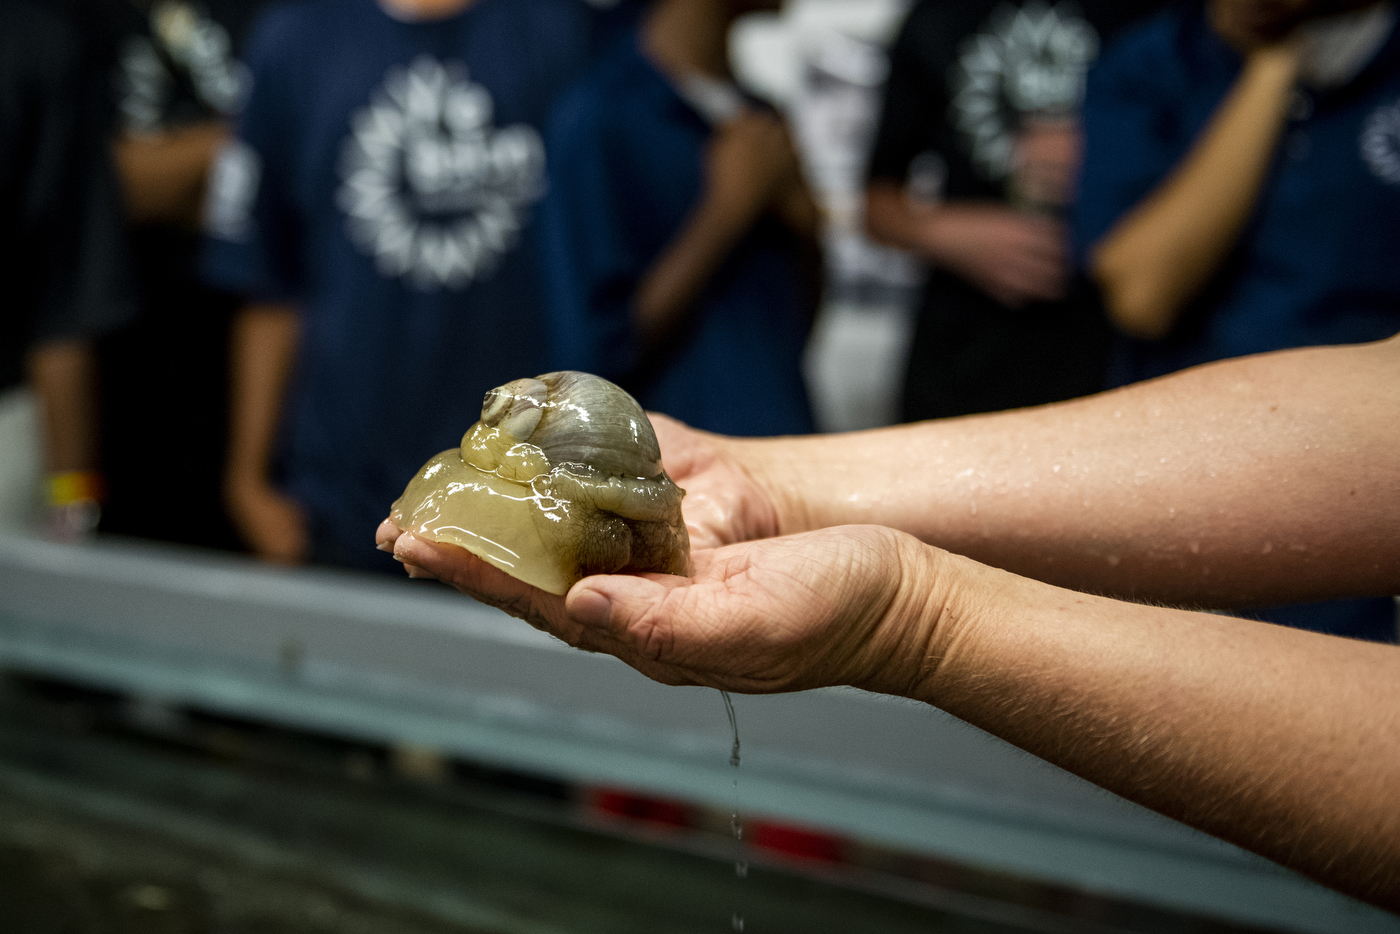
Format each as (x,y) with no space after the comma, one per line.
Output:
(270,523)
(1014,256)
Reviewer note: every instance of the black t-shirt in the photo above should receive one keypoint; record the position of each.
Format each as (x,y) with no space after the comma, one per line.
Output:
(964,74)
(60,229)
(171,64)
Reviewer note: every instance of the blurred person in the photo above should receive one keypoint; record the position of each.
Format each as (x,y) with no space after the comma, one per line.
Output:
(971,170)
(1241,193)
(680,238)
(61,258)
(178,82)
(1202,488)
(375,207)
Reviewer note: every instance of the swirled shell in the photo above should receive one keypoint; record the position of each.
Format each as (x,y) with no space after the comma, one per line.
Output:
(561,478)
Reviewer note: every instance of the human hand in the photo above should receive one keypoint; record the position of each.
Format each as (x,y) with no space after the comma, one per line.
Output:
(750,162)
(724,502)
(848,605)
(1247,25)
(271,524)
(1014,257)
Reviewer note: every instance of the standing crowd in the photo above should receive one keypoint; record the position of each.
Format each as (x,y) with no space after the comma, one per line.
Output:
(268,257)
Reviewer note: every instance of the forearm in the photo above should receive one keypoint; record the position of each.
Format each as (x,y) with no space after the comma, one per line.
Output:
(678,276)
(263,348)
(62,375)
(895,219)
(891,218)
(1164,251)
(1231,484)
(163,174)
(1282,741)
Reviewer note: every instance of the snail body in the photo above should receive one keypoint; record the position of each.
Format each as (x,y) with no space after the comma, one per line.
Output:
(561,478)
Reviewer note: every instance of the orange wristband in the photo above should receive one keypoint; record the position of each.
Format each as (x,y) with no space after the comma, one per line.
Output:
(76,486)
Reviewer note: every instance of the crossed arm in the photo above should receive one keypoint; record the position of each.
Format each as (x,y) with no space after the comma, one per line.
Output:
(1163,252)
(1280,470)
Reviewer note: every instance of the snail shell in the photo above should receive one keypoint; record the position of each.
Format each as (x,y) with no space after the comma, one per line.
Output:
(561,478)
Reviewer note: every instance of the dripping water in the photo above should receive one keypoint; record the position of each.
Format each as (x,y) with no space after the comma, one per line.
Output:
(736,823)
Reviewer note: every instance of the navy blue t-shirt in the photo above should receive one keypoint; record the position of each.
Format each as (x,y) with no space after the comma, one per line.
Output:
(626,171)
(383,180)
(1319,260)
(1316,263)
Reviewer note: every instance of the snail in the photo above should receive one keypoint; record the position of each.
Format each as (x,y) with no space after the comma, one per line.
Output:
(561,478)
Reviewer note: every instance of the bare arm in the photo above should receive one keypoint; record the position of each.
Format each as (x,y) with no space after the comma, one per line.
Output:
(1012,256)
(62,376)
(1282,741)
(263,350)
(1154,261)
(751,168)
(1261,479)
(163,174)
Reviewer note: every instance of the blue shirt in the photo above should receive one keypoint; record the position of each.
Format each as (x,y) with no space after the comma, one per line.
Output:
(383,180)
(1316,263)
(1319,260)
(626,171)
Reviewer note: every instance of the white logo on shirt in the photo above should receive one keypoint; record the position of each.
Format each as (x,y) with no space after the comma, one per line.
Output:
(432,191)
(1028,61)
(233,187)
(188,38)
(1380,143)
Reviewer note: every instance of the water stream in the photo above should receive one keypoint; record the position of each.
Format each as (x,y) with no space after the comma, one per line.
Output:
(736,823)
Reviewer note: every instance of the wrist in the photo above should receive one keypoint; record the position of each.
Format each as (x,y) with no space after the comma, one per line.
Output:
(942,612)
(917,623)
(775,468)
(1276,63)
(66,487)
(241,479)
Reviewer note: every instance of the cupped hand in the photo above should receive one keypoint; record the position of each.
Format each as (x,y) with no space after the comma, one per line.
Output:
(724,502)
(848,605)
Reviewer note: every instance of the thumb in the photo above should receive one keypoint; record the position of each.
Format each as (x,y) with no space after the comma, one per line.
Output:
(617,611)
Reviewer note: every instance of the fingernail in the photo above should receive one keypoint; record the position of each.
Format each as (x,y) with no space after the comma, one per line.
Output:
(403,549)
(591,608)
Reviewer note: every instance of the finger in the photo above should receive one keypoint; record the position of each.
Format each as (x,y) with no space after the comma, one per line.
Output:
(386,535)
(626,615)
(407,552)
(454,565)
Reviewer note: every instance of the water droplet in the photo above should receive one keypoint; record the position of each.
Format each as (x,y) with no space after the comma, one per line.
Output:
(737,922)
(741,868)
